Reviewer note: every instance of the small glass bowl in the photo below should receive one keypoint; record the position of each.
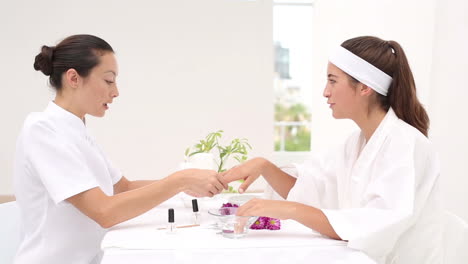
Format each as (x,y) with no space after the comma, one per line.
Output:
(230,224)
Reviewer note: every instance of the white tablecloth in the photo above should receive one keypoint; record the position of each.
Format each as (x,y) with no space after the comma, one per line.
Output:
(140,241)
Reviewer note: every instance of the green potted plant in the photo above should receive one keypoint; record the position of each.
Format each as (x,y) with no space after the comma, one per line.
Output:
(238,149)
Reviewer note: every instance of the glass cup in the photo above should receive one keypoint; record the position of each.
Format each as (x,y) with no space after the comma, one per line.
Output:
(230,224)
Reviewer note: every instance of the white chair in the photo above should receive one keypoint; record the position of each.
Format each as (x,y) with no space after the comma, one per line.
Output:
(9,231)
(455,239)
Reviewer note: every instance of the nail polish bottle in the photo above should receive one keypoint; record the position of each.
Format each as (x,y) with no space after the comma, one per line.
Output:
(196,218)
(171,227)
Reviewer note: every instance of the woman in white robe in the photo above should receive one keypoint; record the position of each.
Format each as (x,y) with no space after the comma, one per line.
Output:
(379,191)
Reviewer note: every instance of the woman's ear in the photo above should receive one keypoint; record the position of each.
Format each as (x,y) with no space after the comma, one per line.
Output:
(72,78)
(365,90)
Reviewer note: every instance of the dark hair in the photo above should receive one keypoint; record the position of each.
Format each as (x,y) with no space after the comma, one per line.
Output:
(79,52)
(389,57)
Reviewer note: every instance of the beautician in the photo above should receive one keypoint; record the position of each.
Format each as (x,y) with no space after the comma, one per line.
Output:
(67,190)
(379,190)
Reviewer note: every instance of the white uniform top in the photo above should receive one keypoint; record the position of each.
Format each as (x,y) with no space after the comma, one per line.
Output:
(381,196)
(56,159)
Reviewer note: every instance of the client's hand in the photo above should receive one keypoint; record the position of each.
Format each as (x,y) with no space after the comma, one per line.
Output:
(248,171)
(200,183)
(271,208)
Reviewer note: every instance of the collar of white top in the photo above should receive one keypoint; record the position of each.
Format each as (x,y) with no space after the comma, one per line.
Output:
(361,70)
(69,118)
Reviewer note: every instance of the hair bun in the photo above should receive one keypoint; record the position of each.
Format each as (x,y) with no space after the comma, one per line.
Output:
(43,61)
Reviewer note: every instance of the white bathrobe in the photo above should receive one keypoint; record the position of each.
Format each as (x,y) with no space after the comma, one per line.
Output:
(381,196)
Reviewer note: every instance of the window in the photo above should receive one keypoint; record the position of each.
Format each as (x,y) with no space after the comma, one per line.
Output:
(292,26)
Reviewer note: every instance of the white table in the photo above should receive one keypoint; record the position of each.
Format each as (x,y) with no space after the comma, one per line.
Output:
(140,241)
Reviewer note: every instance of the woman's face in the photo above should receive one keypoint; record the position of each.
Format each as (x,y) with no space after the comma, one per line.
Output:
(341,95)
(99,88)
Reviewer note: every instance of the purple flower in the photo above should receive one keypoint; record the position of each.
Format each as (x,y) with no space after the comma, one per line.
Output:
(224,211)
(229,205)
(225,208)
(259,223)
(273,224)
(264,222)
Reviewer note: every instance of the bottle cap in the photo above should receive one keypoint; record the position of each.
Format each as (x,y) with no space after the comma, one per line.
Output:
(171,215)
(194,205)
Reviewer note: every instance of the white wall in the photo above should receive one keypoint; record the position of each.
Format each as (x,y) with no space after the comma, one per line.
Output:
(449,93)
(187,68)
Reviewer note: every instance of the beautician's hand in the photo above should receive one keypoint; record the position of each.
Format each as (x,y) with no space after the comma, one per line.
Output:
(248,171)
(200,183)
(271,208)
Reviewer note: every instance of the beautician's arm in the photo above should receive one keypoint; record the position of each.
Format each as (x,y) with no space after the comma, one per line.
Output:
(108,211)
(125,185)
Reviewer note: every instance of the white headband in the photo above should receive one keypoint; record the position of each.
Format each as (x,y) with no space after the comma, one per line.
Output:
(361,70)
